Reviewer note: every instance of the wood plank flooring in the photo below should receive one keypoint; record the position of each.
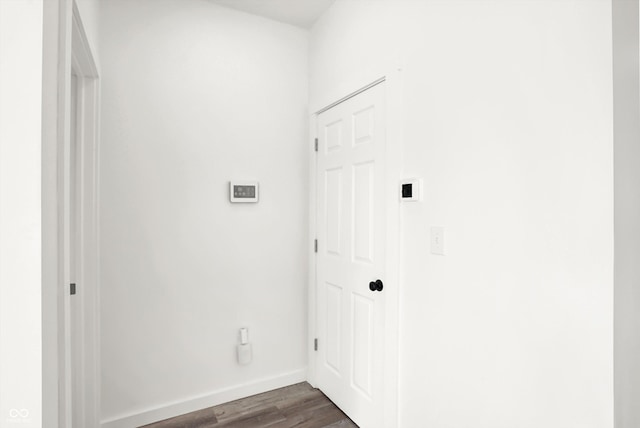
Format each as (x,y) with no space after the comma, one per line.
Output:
(299,406)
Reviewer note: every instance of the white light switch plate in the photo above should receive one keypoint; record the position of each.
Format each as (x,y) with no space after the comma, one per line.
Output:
(437,240)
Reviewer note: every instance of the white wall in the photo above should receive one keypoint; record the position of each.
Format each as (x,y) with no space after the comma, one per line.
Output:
(627,212)
(21,29)
(508,119)
(195,95)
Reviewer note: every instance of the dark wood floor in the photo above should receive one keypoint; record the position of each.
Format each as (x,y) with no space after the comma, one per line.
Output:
(299,406)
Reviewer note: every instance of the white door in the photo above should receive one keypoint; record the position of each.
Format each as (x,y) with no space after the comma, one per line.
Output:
(351,255)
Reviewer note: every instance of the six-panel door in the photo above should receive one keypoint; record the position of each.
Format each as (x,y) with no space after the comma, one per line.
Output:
(351,242)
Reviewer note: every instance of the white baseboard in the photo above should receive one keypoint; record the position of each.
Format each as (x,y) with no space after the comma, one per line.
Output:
(192,404)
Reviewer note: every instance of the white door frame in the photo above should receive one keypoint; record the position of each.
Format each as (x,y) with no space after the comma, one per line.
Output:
(393,163)
(88,369)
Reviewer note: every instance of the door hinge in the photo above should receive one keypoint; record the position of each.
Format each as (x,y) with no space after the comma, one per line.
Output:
(315,344)
(72,288)
(315,246)
(316,145)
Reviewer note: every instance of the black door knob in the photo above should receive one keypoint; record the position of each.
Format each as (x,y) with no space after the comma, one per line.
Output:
(376,286)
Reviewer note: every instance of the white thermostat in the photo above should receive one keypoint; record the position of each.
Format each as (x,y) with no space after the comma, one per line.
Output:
(245,191)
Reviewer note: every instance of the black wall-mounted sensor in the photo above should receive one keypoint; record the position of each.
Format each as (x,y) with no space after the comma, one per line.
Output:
(407,190)
(410,190)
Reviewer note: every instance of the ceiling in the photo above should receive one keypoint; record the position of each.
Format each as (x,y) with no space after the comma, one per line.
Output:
(301,13)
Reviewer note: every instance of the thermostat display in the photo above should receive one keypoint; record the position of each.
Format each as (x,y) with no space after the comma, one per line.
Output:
(243,192)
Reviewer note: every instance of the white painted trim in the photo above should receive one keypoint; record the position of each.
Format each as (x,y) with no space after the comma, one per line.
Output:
(191,404)
(61,24)
(349,87)
(351,95)
(393,163)
(88,369)
(81,49)
(311,289)
(88,274)
(90,262)
(55,136)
